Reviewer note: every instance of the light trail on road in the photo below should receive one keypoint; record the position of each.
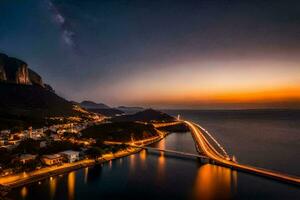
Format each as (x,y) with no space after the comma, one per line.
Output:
(204,145)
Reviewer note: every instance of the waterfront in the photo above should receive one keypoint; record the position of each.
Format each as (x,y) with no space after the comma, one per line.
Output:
(157,176)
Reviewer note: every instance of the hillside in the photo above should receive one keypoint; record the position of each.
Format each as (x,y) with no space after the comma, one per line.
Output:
(109,112)
(25,99)
(100,108)
(148,115)
(130,109)
(93,105)
(30,104)
(120,131)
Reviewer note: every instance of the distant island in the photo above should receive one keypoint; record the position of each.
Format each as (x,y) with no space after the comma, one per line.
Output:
(100,108)
(148,115)
(130,109)
(106,110)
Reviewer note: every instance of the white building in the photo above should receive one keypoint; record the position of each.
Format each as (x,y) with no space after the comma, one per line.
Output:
(70,156)
(52,159)
(43,143)
(5,132)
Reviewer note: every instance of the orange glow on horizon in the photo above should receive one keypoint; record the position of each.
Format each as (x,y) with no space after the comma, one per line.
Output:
(269,82)
(254,96)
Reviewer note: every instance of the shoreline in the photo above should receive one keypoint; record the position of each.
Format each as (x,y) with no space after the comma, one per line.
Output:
(26,179)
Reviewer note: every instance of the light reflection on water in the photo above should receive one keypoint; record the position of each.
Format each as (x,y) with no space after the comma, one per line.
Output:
(214,181)
(161,167)
(132,163)
(143,156)
(86,173)
(52,187)
(24,192)
(71,185)
(161,162)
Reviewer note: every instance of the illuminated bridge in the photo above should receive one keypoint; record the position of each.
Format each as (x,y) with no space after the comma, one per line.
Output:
(205,147)
(172,152)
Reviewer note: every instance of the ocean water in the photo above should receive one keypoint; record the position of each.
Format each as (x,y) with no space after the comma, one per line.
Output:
(263,138)
(267,139)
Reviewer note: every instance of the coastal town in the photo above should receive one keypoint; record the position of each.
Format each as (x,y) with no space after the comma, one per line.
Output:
(34,154)
(10,141)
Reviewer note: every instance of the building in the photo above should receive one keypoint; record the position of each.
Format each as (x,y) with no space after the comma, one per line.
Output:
(70,156)
(53,159)
(43,143)
(3,142)
(14,142)
(25,158)
(5,132)
(9,146)
(30,132)
(55,137)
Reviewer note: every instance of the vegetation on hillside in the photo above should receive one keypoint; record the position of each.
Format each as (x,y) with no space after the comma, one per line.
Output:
(29,105)
(120,131)
(175,128)
(148,115)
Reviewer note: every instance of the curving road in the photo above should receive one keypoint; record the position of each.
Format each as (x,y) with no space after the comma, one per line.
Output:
(219,159)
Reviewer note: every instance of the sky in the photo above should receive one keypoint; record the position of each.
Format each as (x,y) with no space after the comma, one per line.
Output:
(225,54)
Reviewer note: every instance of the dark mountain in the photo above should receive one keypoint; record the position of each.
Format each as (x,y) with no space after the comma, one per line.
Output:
(30,104)
(109,112)
(120,131)
(100,108)
(148,115)
(75,103)
(25,100)
(93,105)
(130,109)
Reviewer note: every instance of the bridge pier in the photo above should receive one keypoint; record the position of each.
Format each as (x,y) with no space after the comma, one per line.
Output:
(212,161)
(203,160)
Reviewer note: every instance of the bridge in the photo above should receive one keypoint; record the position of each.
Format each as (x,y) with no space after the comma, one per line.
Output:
(203,158)
(204,147)
(173,152)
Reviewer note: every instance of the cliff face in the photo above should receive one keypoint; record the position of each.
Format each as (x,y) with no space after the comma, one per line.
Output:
(2,73)
(13,70)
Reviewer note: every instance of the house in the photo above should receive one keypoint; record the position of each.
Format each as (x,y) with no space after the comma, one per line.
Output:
(5,132)
(53,159)
(55,137)
(25,158)
(43,143)
(9,146)
(70,156)
(2,141)
(14,142)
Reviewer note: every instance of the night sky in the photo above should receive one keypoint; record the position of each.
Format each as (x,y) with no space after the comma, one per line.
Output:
(164,54)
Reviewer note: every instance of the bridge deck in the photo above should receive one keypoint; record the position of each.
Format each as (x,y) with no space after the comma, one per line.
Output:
(171,151)
(203,144)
